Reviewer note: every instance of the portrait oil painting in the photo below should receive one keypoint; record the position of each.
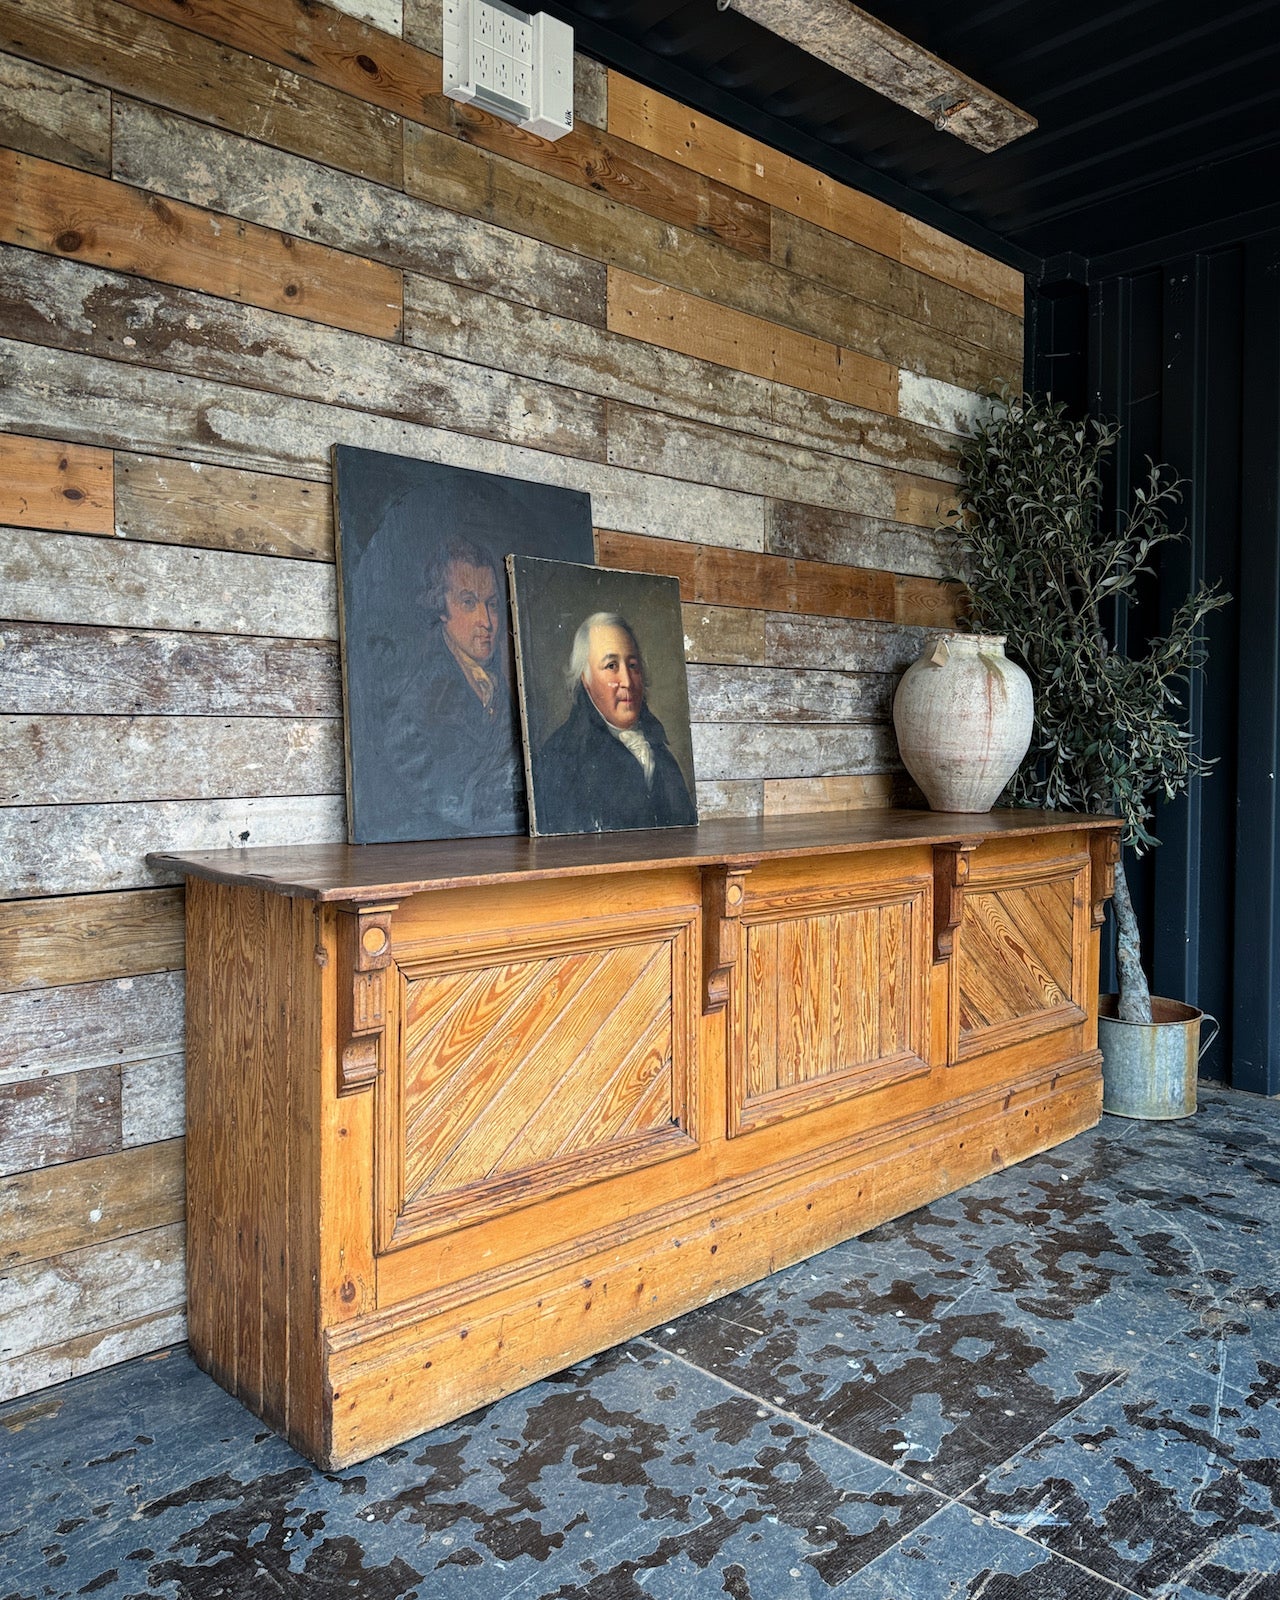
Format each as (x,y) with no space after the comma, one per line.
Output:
(433,740)
(604,697)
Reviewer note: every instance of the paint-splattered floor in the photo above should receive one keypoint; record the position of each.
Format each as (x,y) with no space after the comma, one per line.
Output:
(1061,1382)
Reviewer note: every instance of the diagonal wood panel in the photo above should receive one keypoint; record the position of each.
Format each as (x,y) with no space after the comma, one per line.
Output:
(1015,953)
(453,1065)
(593,1097)
(529,1049)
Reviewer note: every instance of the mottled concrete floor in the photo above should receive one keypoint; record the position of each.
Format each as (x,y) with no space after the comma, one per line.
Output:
(1061,1382)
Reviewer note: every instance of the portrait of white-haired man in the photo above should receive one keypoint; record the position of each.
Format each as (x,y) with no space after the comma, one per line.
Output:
(608,765)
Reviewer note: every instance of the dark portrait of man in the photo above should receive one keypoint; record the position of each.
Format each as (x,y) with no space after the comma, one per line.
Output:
(433,741)
(608,765)
(466,708)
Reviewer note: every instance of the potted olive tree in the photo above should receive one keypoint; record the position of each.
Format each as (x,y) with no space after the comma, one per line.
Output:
(1046,568)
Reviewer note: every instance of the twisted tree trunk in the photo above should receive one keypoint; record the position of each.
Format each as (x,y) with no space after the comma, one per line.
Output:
(1135,993)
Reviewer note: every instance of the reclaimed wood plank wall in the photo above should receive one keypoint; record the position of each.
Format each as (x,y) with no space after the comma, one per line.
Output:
(235,232)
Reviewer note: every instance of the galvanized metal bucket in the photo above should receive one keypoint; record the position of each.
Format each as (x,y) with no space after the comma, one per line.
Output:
(1149,1068)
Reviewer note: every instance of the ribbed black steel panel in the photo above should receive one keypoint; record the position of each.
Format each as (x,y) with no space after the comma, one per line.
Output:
(1187,356)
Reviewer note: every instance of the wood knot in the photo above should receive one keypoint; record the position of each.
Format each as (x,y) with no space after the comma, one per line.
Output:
(367,64)
(69,240)
(348,1291)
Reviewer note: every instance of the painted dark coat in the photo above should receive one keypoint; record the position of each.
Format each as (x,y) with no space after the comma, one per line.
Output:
(461,759)
(586,781)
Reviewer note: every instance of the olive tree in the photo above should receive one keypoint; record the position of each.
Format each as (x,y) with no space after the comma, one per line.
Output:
(1046,566)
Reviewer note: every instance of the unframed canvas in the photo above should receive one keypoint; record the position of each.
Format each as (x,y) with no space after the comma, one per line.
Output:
(433,746)
(604,698)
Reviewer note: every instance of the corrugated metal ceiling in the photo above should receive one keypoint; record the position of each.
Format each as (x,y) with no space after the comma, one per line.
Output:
(1159,119)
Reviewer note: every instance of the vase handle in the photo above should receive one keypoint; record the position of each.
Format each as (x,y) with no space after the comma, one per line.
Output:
(1217,1029)
(940,654)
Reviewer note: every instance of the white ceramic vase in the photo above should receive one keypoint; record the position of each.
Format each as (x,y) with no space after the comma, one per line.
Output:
(962,715)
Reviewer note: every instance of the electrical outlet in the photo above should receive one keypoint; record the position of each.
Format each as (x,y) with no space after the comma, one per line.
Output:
(514,65)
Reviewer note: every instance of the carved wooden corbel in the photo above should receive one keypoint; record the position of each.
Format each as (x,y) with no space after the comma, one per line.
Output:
(362,1007)
(950,876)
(723,893)
(1104,856)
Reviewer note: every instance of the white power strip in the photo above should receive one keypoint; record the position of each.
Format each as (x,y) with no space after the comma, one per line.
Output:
(517,66)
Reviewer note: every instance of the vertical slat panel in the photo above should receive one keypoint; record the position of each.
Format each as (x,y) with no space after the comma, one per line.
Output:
(895,976)
(762,1009)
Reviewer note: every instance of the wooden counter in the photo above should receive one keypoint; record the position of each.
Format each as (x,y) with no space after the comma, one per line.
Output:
(461,1113)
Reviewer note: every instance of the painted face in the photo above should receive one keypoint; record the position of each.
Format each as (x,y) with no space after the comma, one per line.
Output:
(471,610)
(614,677)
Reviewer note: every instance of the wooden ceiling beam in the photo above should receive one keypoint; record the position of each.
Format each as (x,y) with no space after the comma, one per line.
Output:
(867,50)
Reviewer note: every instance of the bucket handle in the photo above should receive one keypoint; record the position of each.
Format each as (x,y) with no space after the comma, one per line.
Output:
(1217,1029)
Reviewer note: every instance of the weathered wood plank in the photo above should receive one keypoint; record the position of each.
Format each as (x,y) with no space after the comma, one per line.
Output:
(152,1100)
(119,48)
(475,327)
(934,404)
(69,670)
(385,15)
(864,792)
(80,1354)
(326,44)
(645,117)
(696,453)
(205,166)
(942,257)
(83,1203)
(736,750)
(772,694)
(64,577)
(697,327)
(220,508)
(69,760)
(78,1026)
(925,604)
(722,635)
(925,502)
(86,310)
(655,121)
(47,484)
(822,533)
(57,850)
(590,158)
(825,257)
(136,408)
(55,116)
(89,938)
(451,174)
(590,91)
(741,798)
(876,646)
(78,215)
(67,1117)
(83,1294)
(743,578)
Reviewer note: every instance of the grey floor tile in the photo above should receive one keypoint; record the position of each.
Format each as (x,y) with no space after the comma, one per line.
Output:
(1155,1488)
(629,1475)
(959,1556)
